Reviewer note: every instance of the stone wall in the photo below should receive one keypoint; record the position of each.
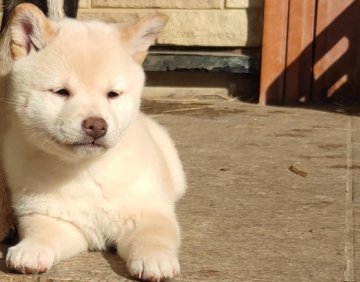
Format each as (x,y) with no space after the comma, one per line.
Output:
(221,23)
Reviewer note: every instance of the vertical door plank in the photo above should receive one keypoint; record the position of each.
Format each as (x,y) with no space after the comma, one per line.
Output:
(300,50)
(274,51)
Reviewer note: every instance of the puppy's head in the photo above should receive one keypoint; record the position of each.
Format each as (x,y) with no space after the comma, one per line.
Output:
(75,85)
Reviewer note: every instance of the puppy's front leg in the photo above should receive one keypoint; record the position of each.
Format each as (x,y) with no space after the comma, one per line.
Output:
(44,242)
(150,247)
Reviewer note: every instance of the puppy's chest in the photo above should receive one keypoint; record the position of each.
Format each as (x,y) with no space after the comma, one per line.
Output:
(98,210)
(97,216)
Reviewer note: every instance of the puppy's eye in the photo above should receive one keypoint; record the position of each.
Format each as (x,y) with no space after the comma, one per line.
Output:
(113,94)
(62,92)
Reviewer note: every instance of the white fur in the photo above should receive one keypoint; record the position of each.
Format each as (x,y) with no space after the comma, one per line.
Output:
(69,199)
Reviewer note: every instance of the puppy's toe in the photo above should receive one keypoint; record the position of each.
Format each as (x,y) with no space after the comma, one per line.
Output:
(153,266)
(30,258)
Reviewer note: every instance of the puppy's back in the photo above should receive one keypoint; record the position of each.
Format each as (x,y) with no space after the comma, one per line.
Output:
(169,152)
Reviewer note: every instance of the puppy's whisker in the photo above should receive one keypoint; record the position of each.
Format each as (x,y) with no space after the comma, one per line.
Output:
(11,103)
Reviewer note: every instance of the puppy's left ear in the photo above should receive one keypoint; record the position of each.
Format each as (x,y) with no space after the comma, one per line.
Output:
(143,34)
(30,30)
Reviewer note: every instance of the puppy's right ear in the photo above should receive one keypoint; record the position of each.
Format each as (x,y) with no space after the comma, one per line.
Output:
(30,30)
(141,35)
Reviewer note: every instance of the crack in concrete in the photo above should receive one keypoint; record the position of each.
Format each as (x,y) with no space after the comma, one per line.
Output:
(349,274)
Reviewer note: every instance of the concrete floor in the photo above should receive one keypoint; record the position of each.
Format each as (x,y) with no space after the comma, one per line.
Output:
(246,216)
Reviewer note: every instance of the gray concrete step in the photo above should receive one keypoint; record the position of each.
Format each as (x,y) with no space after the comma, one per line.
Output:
(247,61)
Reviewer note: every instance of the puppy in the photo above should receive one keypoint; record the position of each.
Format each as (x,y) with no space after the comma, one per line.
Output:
(86,168)
(54,9)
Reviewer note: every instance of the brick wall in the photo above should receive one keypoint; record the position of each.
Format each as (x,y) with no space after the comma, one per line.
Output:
(221,23)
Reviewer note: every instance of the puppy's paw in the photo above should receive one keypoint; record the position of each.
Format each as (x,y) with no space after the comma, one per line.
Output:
(29,257)
(153,265)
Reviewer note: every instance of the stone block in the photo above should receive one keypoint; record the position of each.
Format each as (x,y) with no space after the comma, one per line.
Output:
(169,4)
(223,28)
(241,4)
(83,4)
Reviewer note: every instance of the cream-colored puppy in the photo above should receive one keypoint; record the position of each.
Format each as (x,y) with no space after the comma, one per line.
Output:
(86,168)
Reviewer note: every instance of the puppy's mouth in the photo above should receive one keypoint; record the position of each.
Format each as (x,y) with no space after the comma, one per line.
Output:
(86,144)
(83,146)
(91,144)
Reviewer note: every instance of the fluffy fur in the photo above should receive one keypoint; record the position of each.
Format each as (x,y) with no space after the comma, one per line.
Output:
(71,193)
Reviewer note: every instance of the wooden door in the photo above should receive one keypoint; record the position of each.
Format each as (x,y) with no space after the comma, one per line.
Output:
(311,51)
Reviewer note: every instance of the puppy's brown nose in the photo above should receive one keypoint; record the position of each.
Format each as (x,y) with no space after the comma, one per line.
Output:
(95,127)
